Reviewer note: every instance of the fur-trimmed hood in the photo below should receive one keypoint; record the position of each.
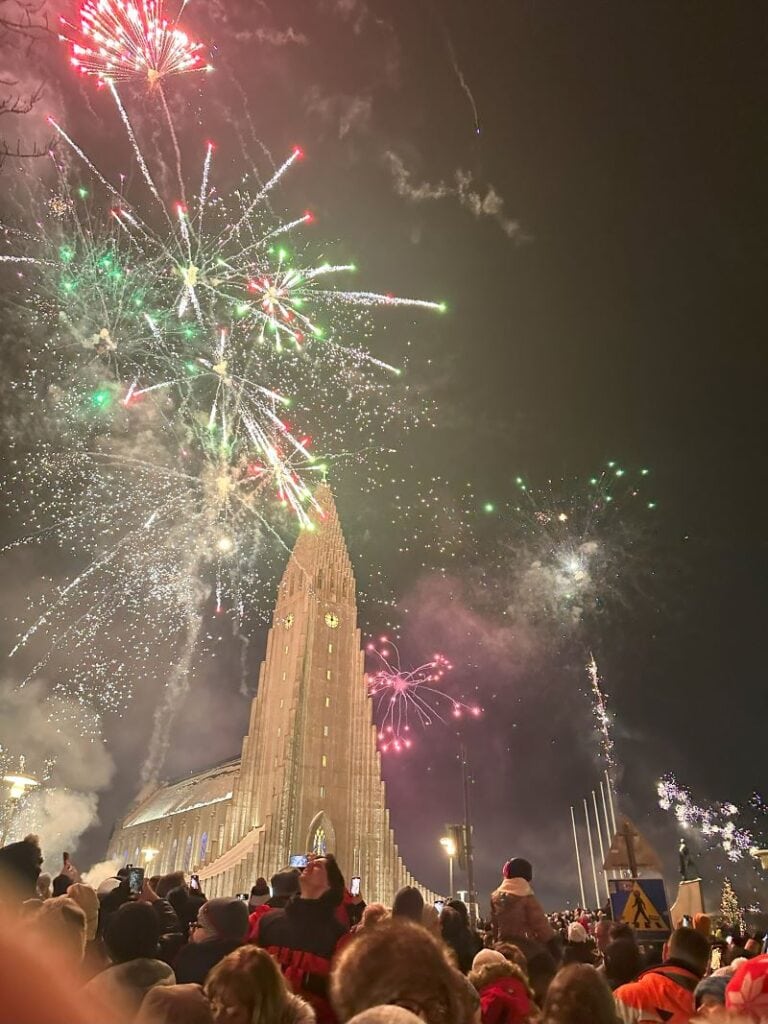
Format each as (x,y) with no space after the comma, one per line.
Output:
(488,973)
(512,887)
(298,1012)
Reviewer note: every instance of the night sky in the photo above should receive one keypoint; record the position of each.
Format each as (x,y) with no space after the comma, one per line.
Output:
(604,268)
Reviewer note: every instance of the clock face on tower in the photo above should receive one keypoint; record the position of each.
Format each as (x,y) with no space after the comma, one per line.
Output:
(332,620)
(289,620)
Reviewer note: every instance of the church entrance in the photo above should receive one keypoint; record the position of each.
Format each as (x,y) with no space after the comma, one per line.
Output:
(322,836)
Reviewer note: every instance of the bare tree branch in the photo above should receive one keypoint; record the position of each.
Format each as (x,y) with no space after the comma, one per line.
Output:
(22,23)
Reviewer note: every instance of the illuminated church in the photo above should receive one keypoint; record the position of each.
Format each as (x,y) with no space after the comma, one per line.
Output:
(309,778)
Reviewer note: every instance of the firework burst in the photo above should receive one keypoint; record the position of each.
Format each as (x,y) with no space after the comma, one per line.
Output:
(118,41)
(717,824)
(403,697)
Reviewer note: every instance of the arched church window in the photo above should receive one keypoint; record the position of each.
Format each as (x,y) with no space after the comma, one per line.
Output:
(203,846)
(319,842)
(292,584)
(174,848)
(319,579)
(188,854)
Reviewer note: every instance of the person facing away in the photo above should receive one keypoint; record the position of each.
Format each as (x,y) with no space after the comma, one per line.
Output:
(622,962)
(221,926)
(458,938)
(304,935)
(247,987)
(285,885)
(408,903)
(579,995)
(505,997)
(666,993)
(259,894)
(515,911)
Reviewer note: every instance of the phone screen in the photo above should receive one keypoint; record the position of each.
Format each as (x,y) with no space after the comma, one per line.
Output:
(135,880)
(354,885)
(439,904)
(298,860)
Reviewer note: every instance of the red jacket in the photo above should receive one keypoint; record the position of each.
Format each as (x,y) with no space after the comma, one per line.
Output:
(662,994)
(505,1001)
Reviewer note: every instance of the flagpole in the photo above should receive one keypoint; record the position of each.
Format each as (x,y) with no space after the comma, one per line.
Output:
(610,800)
(578,861)
(592,854)
(600,841)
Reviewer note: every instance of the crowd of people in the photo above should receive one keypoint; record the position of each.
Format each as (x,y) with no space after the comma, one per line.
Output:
(303,949)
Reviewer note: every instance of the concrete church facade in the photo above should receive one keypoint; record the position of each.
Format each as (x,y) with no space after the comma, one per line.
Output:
(309,778)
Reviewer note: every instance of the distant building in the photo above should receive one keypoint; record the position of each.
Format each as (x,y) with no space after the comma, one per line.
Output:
(309,778)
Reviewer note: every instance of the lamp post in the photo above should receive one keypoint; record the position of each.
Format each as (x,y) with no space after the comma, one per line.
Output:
(19,783)
(450,848)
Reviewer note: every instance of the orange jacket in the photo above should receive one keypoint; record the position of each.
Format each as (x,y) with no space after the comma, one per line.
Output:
(663,994)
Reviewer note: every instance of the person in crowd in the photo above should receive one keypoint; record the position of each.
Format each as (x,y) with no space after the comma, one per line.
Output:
(60,885)
(176,1004)
(463,910)
(285,885)
(259,894)
(668,990)
(408,903)
(709,995)
(167,920)
(602,933)
(579,995)
(458,938)
(131,936)
(43,886)
(385,1015)
(515,911)
(430,919)
(746,994)
(186,904)
(514,954)
(703,923)
(221,926)
(578,948)
(505,997)
(622,963)
(173,880)
(399,963)
(62,924)
(374,914)
(20,865)
(305,934)
(247,987)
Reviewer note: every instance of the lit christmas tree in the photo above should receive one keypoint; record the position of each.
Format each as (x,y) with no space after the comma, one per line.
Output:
(730,911)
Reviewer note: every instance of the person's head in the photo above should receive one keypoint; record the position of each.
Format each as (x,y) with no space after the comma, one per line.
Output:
(451,925)
(168,882)
(261,888)
(691,948)
(518,867)
(185,903)
(577,932)
(399,963)
(247,987)
(85,897)
(314,881)
(431,920)
(221,918)
(513,953)
(285,883)
(374,914)
(623,961)
(60,885)
(132,933)
(43,886)
(703,923)
(153,882)
(620,930)
(175,1004)
(709,996)
(408,903)
(63,925)
(461,909)
(579,995)
(746,994)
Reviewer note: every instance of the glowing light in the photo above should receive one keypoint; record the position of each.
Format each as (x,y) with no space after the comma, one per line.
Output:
(715,823)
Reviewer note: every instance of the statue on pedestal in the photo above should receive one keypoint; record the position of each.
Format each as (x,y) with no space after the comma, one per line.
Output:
(688,872)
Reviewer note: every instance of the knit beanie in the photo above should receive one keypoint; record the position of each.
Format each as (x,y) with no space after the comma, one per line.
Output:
(577,932)
(228,918)
(714,985)
(487,956)
(747,991)
(518,867)
(85,897)
(408,903)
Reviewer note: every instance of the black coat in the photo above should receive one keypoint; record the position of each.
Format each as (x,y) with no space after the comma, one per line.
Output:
(196,959)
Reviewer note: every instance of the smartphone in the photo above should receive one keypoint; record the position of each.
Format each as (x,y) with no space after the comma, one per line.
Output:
(135,880)
(298,860)
(354,885)
(194,883)
(439,904)
(244,896)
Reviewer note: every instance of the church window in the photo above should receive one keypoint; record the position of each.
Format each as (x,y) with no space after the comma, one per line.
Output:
(188,854)
(221,838)
(319,842)
(282,702)
(327,702)
(325,730)
(274,762)
(279,730)
(203,846)
(324,761)
(290,588)
(136,856)
(330,648)
(284,676)
(322,791)
(319,579)
(328,674)
(286,649)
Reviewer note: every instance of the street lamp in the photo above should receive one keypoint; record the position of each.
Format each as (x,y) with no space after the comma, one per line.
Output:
(450,848)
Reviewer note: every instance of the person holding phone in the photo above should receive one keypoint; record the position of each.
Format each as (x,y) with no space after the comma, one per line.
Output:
(285,885)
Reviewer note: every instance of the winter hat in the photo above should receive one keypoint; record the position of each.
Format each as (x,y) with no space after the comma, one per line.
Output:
(577,932)
(286,882)
(518,867)
(132,933)
(408,903)
(487,956)
(747,991)
(385,1015)
(714,985)
(261,888)
(228,918)
(85,897)
(175,1004)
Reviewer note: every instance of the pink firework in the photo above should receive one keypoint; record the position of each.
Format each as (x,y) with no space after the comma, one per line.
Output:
(403,697)
(127,40)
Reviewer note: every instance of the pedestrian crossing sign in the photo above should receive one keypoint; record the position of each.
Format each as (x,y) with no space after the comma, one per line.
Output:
(642,904)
